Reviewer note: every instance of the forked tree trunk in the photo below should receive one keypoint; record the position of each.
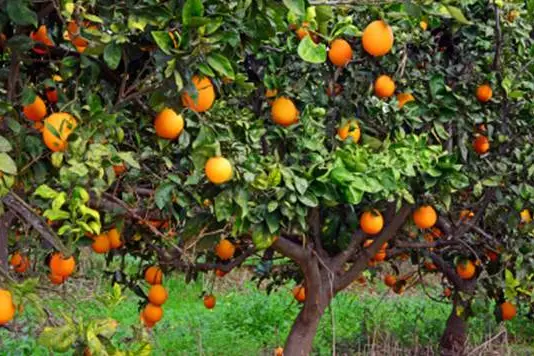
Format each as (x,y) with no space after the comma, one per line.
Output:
(300,339)
(454,337)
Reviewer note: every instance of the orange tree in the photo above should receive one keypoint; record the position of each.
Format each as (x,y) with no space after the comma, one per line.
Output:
(196,134)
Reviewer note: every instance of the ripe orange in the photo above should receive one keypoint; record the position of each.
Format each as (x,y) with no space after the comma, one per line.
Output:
(51,95)
(205,95)
(57,280)
(35,111)
(19,262)
(380,256)
(447,292)
(526,217)
(146,323)
(61,266)
(371,222)
(284,112)
(377,38)
(484,93)
(508,311)
(210,301)
(157,295)
(423,25)
(425,217)
(114,237)
(390,280)
(340,52)
(63,124)
(225,250)
(219,273)
(279,351)
(350,129)
(384,86)
(492,256)
(466,215)
(153,313)
(466,269)
(73,34)
(303,31)
(7,308)
(299,292)
(436,232)
(101,244)
(119,169)
(153,275)
(271,93)
(168,124)
(218,170)
(41,36)
(481,145)
(404,98)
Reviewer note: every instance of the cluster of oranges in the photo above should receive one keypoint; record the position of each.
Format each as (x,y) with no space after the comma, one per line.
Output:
(157,296)
(106,241)
(19,262)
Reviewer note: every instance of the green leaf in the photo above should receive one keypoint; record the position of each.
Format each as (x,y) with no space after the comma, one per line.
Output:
(20,13)
(7,165)
(296,6)
(192,8)
(412,9)
(45,192)
(128,157)
(163,194)
(112,55)
(242,198)
(163,40)
(311,52)
(92,18)
(221,64)
(55,215)
(223,205)
(309,200)
(59,200)
(273,222)
(5,146)
(457,14)
(58,339)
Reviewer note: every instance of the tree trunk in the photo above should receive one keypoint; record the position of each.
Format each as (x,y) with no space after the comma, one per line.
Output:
(5,222)
(300,339)
(455,335)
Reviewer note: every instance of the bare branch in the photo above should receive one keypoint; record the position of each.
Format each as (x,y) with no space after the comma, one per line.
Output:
(225,267)
(290,249)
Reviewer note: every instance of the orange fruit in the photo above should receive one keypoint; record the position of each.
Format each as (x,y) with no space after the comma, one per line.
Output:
(466,215)
(367,243)
(19,262)
(279,351)
(466,269)
(60,266)
(219,273)
(390,280)
(218,170)
(492,256)
(481,145)
(508,311)
(146,323)
(225,250)
(436,232)
(371,222)
(157,295)
(423,25)
(153,313)
(57,280)
(484,93)
(63,125)
(51,95)
(119,169)
(35,111)
(447,292)
(340,52)
(114,237)
(404,98)
(205,95)
(153,275)
(168,124)
(384,86)
(284,112)
(299,292)
(380,256)
(271,93)
(39,126)
(101,244)
(526,217)
(7,308)
(350,129)
(425,217)
(210,301)
(377,38)
(41,37)
(73,34)
(303,31)
(431,267)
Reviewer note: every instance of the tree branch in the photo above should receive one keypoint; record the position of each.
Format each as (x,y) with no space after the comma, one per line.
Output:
(290,249)
(449,272)
(5,222)
(225,267)
(314,222)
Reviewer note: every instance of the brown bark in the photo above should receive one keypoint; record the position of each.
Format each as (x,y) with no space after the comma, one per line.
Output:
(5,222)
(454,337)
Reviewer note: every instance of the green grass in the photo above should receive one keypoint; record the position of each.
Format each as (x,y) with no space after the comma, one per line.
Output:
(248,322)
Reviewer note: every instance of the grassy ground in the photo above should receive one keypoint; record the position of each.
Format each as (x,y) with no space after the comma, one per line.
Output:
(249,322)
